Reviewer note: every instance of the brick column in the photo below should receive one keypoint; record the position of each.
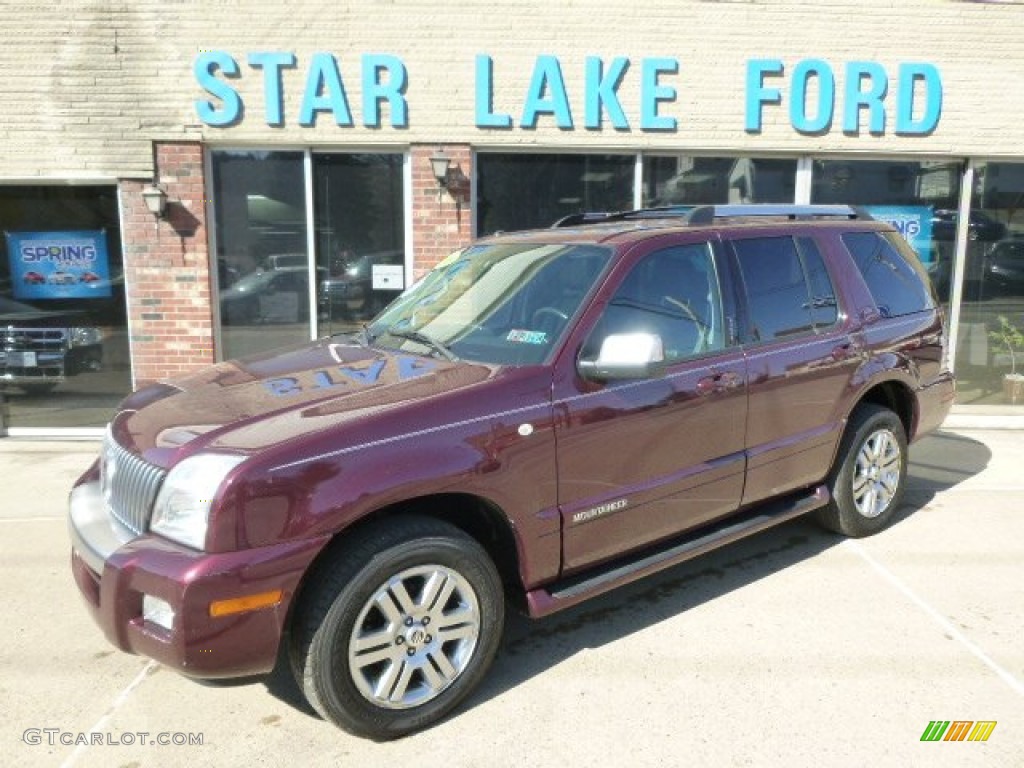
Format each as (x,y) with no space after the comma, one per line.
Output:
(167,269)
(442,220)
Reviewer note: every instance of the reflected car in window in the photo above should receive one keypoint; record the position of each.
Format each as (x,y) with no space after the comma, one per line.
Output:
(350,291)
(981,226)
(1004,264)
(41,348)
(267,296)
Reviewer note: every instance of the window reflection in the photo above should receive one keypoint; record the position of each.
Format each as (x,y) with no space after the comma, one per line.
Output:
(64,359)
(521,191)
(686,180)
(360,237)
(993,286)
(262,264)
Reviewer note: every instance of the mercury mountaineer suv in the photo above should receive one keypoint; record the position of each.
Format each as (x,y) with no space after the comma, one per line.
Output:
(546,416)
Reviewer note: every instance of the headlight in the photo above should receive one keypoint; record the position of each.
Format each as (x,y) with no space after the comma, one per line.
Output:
(182,510)
(81,337)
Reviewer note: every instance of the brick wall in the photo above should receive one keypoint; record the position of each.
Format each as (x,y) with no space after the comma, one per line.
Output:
(167,272)
(167,261)
(442,220)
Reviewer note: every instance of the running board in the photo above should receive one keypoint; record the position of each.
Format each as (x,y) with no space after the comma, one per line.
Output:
(604,578)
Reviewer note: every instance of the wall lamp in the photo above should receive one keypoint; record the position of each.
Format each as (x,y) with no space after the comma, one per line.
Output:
(440,163)
(156,200)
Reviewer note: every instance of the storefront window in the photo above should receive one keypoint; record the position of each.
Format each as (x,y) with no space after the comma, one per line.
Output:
(521,191)
(686,180)
(64,358)
(360,236)
(262,260)
(992,307)
(919,198)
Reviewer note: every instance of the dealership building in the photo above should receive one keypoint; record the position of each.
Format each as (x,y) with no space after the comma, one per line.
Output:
(184,182)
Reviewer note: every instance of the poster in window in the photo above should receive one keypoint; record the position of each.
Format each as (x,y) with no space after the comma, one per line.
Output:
(914,222)
(59,265)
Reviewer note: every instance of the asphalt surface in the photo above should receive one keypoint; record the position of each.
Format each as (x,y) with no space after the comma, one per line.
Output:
(793,648)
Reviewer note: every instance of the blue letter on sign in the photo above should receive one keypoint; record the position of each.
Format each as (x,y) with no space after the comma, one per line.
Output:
(272,63)
(393,91)
(802,72)
(324,76)
(601,92)
(547,77)
(871,99)
(910,73)
(204,68)
(485,118)
(651,94)
(757,93)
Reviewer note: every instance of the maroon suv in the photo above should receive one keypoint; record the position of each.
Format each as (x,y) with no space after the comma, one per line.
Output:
(545,416)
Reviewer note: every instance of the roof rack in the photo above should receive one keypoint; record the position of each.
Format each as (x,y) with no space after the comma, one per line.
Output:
(706,214)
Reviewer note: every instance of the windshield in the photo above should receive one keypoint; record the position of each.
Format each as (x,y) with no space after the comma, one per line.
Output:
(507,304)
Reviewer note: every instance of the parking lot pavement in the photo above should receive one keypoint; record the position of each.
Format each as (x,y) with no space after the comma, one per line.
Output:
(792,648)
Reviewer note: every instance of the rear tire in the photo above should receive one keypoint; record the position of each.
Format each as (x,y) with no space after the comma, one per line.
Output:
(397,627)
(869,476)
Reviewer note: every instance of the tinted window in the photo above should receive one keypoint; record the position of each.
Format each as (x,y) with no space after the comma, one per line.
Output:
(895,281)
(778,296)
(525,191)
(824,309)
(674,293)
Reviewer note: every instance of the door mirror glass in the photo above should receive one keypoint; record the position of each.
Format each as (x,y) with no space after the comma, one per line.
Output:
(626,356)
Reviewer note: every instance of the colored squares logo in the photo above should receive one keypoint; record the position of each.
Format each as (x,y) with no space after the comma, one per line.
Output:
(958,730)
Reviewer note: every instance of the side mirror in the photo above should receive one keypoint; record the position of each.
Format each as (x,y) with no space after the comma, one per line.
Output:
(626,356)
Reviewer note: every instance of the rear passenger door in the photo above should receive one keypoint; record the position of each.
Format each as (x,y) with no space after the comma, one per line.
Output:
(643,460)
(800,356)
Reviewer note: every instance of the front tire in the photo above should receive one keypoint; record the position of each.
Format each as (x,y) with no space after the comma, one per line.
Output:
(399,626)
(868,478)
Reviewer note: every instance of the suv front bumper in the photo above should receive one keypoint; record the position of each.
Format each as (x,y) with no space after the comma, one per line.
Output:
(114,572)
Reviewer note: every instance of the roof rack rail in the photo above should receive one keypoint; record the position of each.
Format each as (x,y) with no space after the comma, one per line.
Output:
(598,217)
(706,214)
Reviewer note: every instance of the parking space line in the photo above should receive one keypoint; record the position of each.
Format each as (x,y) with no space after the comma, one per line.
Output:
(941,620)
(43,518)
(102,722)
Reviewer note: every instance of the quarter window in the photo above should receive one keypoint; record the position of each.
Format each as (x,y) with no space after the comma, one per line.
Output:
(897,283)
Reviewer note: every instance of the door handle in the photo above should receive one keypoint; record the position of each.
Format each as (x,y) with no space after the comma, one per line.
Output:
(846,350)
(718,382)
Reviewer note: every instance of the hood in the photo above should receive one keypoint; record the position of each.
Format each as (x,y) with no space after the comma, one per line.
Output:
(254,403)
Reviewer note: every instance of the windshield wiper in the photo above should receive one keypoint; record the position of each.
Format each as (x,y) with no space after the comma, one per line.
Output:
(422,338)
(360,337)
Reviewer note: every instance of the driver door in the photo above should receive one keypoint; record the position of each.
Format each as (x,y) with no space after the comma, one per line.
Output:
(644,460)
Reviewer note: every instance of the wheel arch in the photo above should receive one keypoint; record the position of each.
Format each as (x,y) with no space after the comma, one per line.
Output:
(477,517)
(898,398)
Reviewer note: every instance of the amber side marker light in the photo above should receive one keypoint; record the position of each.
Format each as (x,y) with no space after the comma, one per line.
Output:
(247,603)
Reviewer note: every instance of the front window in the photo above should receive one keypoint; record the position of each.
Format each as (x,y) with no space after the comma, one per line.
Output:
(505,304)
(527,191)
(687,180)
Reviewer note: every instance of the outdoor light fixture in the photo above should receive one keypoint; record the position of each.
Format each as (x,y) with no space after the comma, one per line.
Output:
(440,163)
(156,200)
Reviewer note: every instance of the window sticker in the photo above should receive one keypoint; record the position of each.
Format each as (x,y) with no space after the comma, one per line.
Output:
(527,337)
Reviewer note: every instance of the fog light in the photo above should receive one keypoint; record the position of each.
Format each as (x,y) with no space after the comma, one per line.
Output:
(158,612)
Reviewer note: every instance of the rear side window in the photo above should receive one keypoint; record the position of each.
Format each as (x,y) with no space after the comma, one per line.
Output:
(788,290)
(891,271)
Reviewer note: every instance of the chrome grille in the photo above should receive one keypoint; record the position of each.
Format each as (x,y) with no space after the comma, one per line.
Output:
(129,486)
(15,338)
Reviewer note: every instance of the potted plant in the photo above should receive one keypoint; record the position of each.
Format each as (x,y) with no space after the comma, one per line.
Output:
(1009,339)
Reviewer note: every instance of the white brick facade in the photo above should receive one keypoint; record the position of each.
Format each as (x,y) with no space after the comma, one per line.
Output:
(88,86)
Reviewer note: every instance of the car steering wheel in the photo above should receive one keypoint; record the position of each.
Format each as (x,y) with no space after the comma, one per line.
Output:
(538,318)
